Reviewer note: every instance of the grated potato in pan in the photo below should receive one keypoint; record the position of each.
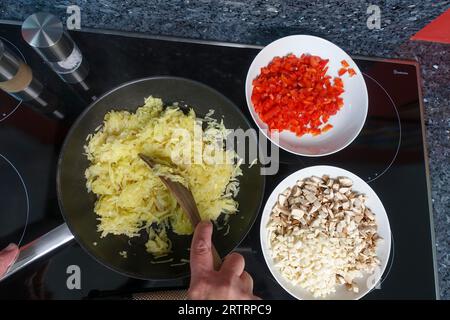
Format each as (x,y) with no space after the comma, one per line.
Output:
(130,195)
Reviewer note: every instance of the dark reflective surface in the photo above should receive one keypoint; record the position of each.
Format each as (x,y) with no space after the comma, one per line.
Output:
(388,153)
(375,149)
(14,204)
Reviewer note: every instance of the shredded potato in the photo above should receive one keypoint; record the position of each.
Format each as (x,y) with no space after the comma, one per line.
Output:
(131,196)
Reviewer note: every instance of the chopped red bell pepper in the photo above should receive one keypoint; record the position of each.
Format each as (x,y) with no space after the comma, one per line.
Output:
(351,72)
(342,71)
(345,64)
(295,93)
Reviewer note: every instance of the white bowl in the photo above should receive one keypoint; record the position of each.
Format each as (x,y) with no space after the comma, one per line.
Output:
(366,283)
(347,123)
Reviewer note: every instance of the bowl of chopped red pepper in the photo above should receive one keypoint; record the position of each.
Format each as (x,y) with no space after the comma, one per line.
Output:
(307,95)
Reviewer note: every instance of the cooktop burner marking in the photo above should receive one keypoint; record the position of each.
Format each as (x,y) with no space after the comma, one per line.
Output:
(377,175)
(382,129)
(6,115)
(26,197)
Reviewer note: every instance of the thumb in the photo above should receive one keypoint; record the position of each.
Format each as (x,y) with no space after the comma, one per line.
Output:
(7,257)
(201,255)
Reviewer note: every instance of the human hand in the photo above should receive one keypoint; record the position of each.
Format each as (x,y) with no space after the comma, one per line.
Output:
(7,257)
(231,282)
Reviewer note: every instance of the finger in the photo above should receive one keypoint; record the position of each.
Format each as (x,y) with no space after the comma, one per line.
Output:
(201,255)
(234,264)
(247,281)
(7,257)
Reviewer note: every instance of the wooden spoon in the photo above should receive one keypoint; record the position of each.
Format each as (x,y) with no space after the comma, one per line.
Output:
(184,197)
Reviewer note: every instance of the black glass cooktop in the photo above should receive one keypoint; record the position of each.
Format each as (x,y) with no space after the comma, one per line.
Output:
(389,154)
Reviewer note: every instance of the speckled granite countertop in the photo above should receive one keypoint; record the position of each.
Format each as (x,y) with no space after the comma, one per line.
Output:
(343,22)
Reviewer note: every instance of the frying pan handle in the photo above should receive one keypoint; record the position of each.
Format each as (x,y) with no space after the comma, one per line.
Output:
(39,248)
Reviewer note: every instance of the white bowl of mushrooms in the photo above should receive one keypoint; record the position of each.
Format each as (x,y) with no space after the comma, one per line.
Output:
(325,235)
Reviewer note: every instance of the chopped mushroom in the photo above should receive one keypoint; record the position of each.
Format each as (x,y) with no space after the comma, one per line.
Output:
(321,235)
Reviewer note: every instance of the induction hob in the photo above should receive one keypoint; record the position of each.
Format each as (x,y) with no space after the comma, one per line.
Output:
(389,154)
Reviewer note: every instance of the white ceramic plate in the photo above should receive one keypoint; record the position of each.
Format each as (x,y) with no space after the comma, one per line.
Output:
(365,284)
(347,123)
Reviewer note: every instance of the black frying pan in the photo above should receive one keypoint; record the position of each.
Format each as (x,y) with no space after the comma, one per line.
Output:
(77,205)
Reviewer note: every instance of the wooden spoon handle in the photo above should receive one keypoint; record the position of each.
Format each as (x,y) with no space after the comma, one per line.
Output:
(186,200)
(187,203)
(217,260)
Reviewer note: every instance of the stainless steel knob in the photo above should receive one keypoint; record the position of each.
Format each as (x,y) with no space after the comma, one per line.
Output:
(17,79)
(9,63)
(45,33)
